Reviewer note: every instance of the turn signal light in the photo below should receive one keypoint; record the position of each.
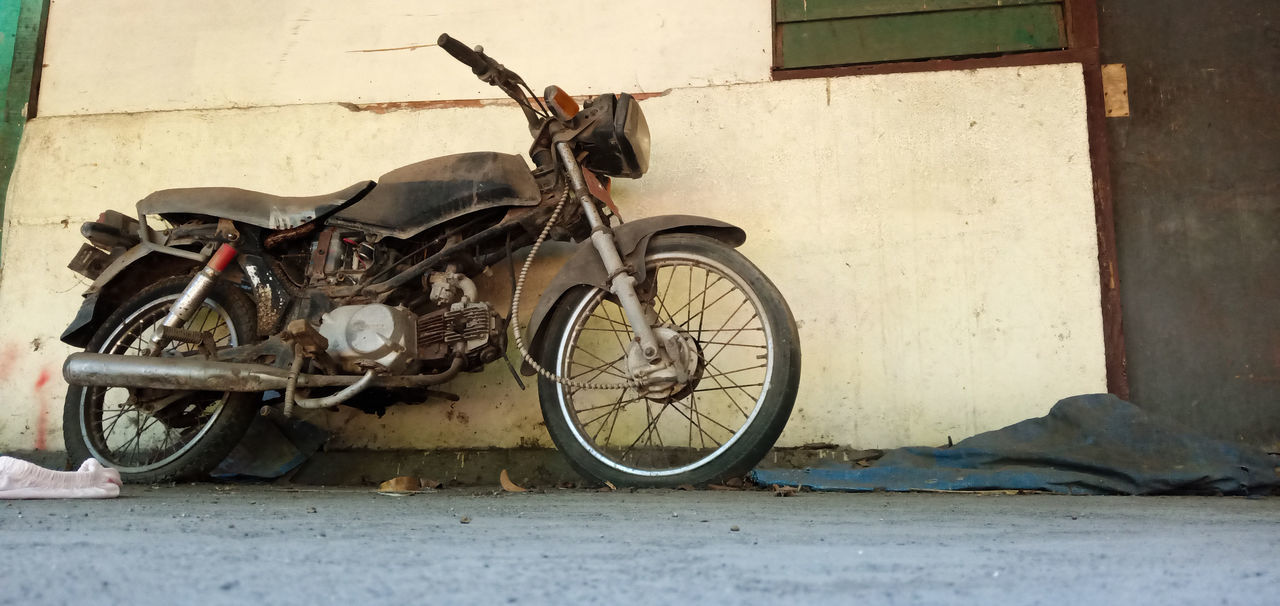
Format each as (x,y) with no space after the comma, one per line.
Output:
(561,104)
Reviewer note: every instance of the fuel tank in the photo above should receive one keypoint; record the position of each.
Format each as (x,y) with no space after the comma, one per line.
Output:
(416,197)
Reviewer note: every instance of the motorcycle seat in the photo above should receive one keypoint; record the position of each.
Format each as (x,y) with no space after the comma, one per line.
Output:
(252,207)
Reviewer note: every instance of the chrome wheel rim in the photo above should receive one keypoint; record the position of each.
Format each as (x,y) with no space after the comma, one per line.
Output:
(620,428)
(124,435)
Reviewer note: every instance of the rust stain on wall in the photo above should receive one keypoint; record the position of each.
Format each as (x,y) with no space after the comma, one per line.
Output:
(392,106)
(382,108)
(411,47)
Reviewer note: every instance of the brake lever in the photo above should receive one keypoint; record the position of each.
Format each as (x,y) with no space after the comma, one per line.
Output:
(509,82)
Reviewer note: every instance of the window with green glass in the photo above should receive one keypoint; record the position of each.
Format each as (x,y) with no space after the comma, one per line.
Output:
(824,33)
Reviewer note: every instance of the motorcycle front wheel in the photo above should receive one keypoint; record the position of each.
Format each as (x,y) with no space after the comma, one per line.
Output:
(720,422)
(155,435)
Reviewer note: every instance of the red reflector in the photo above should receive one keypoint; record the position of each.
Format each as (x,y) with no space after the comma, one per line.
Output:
(222,258)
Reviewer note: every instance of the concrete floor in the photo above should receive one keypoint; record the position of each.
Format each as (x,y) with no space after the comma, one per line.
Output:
(238,544)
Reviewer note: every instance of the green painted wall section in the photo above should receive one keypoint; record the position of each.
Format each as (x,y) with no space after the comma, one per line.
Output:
(961,30)
(9,11)
(20,24)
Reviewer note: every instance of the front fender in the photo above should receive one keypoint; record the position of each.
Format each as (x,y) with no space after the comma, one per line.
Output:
(585,267)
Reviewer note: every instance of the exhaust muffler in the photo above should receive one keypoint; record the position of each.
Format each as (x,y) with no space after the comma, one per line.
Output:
(196,374)
(107,370)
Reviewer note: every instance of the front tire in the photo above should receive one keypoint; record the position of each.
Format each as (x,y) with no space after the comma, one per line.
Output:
(191,434)
(724,420)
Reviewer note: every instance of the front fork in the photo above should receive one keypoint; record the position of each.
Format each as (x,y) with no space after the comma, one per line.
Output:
(622,282)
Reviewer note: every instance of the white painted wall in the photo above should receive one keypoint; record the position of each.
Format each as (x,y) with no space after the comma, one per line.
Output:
(144,55)
(933,232)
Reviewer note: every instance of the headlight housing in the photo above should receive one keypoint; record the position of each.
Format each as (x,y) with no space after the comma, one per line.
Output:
(618,145)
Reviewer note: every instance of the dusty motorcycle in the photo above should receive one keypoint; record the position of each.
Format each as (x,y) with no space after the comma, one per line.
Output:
(663,355)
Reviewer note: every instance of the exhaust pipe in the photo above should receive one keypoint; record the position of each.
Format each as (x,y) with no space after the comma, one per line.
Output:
(108,370)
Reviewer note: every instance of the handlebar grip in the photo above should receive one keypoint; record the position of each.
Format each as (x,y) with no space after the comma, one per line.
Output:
(462,53)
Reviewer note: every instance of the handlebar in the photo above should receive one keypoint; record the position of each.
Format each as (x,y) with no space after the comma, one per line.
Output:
(463,53)
(494,73)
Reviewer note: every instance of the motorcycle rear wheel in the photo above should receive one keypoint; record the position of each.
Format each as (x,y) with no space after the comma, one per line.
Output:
(189,436)
(724,420)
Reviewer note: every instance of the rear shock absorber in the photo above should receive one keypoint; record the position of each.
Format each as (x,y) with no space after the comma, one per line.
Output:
(189,301)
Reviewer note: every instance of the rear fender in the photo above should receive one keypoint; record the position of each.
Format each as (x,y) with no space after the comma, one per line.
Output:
(127,274)
(585,267)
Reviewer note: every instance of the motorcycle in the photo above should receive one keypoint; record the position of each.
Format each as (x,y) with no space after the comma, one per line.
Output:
(663,356)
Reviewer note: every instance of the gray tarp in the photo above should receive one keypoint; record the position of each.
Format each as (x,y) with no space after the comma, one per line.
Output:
(1092,444)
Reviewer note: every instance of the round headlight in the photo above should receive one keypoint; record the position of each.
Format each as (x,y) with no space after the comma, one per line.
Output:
(636,133)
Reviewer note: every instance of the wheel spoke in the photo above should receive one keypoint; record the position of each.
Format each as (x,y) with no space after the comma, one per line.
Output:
(703,296)
(702,433)
(727,344)
(621,345)
(605,364)
(730,372)
(137,423)
(703,312)
(115,419)
(713,422)
(142,432)
(617,330)
(731,337)
(653,421)
(709,389)
(613,407)
(609,318)
(728,391)
(609,405)
(662,306)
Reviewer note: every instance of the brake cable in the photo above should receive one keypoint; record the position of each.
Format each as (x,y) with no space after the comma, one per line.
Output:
(515,313)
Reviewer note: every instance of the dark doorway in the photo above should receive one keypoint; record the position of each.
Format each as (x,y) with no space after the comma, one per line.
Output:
(1196,183)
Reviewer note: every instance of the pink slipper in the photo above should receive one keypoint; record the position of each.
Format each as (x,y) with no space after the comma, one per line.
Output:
(23,480)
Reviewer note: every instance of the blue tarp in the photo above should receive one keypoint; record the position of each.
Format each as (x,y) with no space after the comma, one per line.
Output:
(1091,444)
(272,447)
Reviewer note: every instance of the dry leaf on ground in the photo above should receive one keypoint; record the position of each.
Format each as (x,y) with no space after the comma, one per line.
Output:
(507,484)
(400,486)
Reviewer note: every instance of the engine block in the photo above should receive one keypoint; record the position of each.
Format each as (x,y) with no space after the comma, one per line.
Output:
(363,335)
(393,338)
(474,324)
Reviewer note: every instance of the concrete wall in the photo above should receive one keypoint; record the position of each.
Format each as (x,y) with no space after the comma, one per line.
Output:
(933,232)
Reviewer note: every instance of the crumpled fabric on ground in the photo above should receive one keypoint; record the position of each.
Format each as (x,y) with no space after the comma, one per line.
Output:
(1090,444)
(25,480)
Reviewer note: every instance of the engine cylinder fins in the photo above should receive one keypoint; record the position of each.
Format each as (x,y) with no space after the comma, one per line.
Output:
(439,332)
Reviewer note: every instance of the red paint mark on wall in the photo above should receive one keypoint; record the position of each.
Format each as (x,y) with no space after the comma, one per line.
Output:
(42,418)
(7,357)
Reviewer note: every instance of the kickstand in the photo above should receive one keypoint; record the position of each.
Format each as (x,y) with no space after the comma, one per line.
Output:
(515,375)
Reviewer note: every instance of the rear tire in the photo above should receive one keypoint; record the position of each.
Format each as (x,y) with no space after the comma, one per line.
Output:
(719,424)
(186,438)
